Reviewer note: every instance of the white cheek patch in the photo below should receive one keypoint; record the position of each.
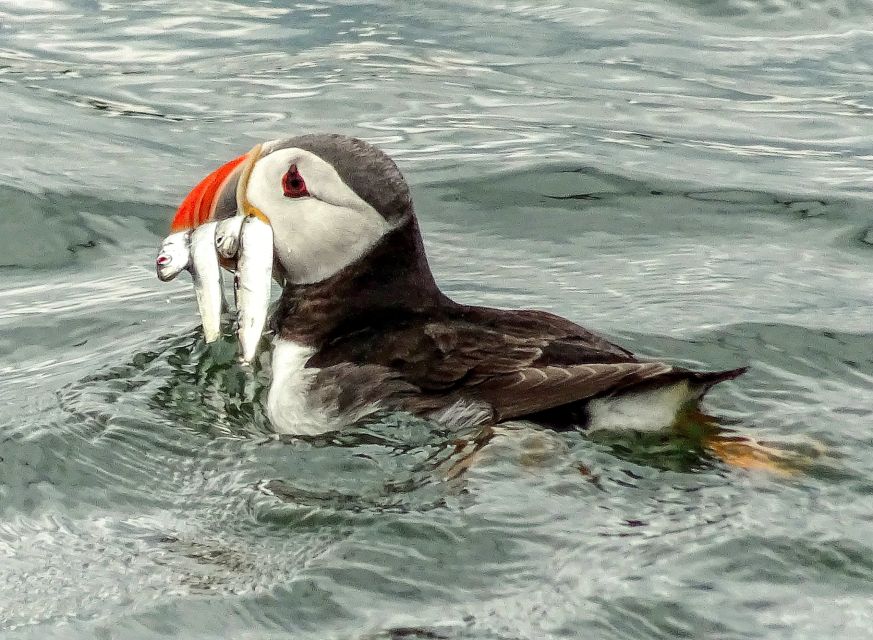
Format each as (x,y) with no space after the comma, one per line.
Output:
(315,240)
(314,236)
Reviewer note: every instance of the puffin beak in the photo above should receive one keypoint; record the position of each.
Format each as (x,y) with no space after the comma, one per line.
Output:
(243,206)
(211,197)
(191,245)
(217,225)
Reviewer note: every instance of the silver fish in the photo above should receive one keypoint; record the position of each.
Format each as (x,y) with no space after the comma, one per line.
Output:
(174,257)
(207,279)
(227,236)
(253,279)
(227,244)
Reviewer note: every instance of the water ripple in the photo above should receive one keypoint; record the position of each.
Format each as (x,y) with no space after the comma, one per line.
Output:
(691,179)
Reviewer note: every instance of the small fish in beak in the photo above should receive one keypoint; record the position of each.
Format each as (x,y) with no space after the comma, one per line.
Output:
(243,241)
(206,274)
(194,251)
(254,265)
(227,236)
(252,284)
(174,257)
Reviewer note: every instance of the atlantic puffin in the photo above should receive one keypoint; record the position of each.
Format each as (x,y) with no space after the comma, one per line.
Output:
(361,325)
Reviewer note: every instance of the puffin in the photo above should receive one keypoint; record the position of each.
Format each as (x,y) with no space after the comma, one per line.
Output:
(362,328)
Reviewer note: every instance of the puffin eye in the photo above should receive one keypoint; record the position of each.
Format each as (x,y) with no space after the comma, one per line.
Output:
(293,184)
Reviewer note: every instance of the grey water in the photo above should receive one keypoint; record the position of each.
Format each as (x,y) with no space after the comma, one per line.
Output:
(691,179)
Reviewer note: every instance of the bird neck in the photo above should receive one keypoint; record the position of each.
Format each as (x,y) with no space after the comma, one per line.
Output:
(393,279)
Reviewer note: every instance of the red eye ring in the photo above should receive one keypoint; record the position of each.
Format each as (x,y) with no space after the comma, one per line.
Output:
(293,184)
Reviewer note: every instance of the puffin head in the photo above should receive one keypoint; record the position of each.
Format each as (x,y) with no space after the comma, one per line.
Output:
(329,198)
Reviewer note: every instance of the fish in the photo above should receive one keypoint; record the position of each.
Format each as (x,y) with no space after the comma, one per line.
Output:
(252,283)
(227,236)
(242,243)
(174,256)
(194,251)
(206,274)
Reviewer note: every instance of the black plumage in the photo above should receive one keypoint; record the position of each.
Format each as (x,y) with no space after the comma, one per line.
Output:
(384,333)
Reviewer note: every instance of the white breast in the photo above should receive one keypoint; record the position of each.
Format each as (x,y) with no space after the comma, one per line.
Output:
(289,405)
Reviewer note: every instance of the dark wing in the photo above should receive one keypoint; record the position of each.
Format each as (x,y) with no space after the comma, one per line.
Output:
(520,363)
(536,389)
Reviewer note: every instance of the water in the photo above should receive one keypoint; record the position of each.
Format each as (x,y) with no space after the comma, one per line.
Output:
(688,178)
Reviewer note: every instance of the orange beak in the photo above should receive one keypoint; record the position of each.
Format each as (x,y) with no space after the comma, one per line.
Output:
(199,205)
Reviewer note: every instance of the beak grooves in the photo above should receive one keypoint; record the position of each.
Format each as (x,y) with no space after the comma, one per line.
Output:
(243,205)
(197,207)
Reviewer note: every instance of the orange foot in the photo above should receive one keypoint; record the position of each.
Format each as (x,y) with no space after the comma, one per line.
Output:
(742,452)
(739,451)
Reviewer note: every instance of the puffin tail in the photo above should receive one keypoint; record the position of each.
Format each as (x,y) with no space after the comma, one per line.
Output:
(703,381)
